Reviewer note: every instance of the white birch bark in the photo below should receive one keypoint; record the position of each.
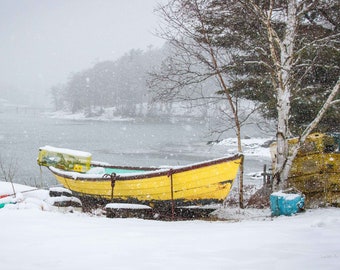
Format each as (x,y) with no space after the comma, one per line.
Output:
(283,71)
(285,159)
(282,57)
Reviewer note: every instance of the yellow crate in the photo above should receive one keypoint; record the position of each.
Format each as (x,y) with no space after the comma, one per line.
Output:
(66,159)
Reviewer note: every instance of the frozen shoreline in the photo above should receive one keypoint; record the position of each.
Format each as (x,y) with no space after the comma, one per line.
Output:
(106,116)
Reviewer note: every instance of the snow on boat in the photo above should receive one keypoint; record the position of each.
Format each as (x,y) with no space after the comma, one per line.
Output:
(195,184)
(316,169)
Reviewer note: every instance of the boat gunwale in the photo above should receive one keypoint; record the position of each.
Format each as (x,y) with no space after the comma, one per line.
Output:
(154,171)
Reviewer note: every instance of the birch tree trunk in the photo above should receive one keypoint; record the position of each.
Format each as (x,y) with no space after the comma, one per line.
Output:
(282,59)
(284,158)
(282,54)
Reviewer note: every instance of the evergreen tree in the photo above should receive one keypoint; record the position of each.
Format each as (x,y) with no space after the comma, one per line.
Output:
(315,67)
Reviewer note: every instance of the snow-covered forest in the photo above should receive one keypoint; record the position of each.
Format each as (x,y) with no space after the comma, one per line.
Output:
(121,87)
(120,84)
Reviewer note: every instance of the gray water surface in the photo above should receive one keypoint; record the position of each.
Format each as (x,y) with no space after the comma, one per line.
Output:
(135,143)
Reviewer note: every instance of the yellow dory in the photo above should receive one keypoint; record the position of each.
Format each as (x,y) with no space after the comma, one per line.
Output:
(199,183)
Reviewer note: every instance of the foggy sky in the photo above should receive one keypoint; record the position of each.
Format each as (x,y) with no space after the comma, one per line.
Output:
(43,41)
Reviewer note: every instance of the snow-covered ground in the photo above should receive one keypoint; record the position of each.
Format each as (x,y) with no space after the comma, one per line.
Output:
(36,236)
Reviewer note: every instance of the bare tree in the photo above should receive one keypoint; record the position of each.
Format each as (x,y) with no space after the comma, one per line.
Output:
(195,60)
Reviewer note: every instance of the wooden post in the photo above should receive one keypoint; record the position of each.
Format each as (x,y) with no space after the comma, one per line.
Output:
(113,183)
(172,195)
(264,174)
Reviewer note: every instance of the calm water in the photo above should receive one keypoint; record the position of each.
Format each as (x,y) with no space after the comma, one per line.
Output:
(136,143)
(121,143)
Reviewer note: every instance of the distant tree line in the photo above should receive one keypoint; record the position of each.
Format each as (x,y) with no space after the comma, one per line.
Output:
(121,84)
(124,86)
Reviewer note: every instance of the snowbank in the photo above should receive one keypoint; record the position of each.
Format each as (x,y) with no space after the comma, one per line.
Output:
(46,240)
(251,146)
(26,197)
(36,239)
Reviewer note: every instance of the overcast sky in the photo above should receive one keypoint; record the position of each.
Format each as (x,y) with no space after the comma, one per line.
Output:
(43,41)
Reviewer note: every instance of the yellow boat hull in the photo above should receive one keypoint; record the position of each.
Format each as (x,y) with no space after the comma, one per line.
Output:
(209,181)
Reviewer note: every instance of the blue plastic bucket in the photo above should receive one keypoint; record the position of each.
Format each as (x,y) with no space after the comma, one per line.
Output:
(282,203)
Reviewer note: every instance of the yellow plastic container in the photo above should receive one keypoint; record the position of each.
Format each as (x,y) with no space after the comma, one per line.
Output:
(66,159)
